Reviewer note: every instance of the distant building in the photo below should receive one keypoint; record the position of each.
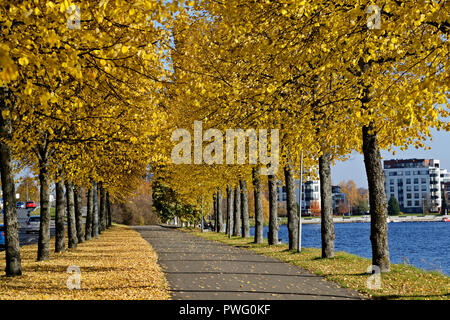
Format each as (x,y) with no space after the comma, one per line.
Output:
(310,193)
(311,196)
(415,183)
(339,198)
(446,191)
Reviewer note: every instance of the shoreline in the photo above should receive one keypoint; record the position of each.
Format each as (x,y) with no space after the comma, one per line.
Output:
(366,219)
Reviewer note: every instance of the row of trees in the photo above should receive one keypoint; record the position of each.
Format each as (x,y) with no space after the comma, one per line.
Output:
(79,104)
(324,75)
(96,97)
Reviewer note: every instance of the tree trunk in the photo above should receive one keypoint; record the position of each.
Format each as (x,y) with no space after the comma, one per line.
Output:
(244,209)
(101,212)
(215,211)
(326,205)
(377,199)
(71,224)
(229,209)
(60,245)
(291,206)
(78,214)
(95,212)
(89,214)
(102,208)
(273,211)
(237,211)
(259,217)
(103,199)
(108,202)
(11,225)
(44,227)
(219,210)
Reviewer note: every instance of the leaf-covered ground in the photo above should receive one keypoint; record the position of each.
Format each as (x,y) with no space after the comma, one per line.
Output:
(120,264)
(349,271)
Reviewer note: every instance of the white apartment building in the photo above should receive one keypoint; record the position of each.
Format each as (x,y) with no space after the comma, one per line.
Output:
(310,193)
(415,183)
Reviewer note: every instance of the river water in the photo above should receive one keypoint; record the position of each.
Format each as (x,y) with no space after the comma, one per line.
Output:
(425,245)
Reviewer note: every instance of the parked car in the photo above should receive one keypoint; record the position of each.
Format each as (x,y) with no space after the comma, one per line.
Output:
(20,204)
(2,236)
(31,204)
(33,223)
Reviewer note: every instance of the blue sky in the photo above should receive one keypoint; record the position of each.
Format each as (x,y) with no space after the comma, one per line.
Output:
(353,168)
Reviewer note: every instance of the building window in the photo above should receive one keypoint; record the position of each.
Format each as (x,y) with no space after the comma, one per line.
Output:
(408,181)
(423,180)
(416,180)
(407,173)
(391,181)
(424,188)
(416,188)
(409,203)
(416,203)
(408,196)
(408,188)
(416,196)
(392,173)
(392,189)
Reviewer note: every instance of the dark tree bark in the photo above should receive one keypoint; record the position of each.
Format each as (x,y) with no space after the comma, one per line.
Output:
(219,211)
(237,211)
(259,217)
(10,222)
(215,211)
(60,245)
(100,209)
(89,214)
(244,209)
(95,211)
(326,205)
(44,228)
(377,199)
(273,211)
(229,209)
(102,217)
(291,206)
(71,224)
(78,213)
(108,203)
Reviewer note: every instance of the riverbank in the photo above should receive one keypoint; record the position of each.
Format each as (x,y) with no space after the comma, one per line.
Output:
(349,271)
(364,219)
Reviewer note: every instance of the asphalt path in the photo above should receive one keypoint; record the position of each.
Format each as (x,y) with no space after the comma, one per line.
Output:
(198,268)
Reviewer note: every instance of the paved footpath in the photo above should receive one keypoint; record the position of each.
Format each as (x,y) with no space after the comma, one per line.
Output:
(200,269)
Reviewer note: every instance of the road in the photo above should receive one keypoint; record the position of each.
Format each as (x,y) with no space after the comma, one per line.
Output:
(31,238)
